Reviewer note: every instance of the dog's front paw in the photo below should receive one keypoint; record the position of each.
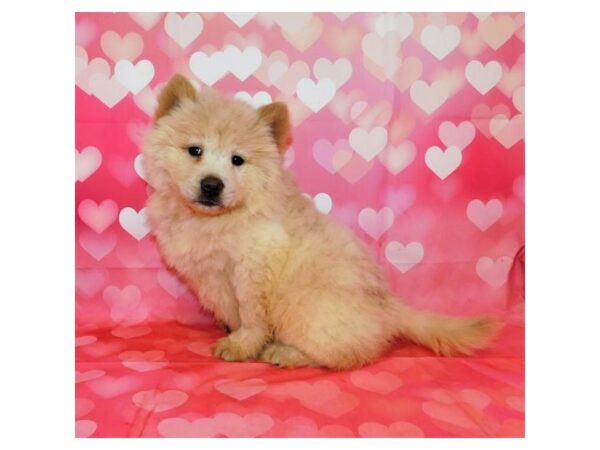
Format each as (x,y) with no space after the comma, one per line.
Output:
(231,350)
(243,344)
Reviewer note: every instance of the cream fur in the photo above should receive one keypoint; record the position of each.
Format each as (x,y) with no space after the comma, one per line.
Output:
(295,287)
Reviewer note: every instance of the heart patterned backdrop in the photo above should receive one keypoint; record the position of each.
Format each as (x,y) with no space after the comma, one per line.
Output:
(408,128)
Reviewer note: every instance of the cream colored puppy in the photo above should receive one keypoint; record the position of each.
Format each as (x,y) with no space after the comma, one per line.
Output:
(294,287)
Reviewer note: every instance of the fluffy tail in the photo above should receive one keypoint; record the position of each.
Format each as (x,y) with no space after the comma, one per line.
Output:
(445,335)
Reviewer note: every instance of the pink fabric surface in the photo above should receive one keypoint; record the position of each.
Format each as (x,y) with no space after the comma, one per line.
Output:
(408,128)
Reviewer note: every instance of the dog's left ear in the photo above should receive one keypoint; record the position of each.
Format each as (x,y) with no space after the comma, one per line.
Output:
(177,89)
(276,116)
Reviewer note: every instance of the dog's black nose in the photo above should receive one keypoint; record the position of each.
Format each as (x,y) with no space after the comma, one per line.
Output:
(211,187)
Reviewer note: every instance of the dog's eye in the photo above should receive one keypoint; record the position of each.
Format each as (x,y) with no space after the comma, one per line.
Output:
(195,151)
(237,160)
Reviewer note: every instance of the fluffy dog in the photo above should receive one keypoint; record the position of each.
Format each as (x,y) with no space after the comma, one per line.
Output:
(293,287)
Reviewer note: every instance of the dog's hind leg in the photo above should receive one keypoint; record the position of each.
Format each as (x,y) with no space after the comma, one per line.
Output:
(286,356)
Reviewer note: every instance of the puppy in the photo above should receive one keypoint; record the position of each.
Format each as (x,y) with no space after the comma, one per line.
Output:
(294,287)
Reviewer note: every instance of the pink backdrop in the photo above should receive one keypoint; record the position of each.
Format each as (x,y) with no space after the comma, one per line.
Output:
(409,128)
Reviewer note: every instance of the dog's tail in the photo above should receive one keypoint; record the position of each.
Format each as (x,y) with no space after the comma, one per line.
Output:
(445,335)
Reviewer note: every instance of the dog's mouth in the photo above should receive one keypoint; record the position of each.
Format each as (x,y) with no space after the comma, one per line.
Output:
(209,203)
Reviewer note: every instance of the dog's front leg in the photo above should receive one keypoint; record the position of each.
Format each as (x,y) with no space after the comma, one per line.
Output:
(247,341)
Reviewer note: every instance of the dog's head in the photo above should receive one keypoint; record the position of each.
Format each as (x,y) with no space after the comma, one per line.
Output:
(213,153)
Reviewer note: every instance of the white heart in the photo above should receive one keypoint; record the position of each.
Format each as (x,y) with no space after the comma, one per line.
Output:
(138,165)
(257,100)
(109,90)
(402,24)
(184,30)
(376,223)
(404,257)
(134,78)
(135,223)
(315,95)
(323,202)
(368,144)
(240,18)
(209,69)
(483,78)
(429,97)
(86,162)
(242,63)
(440,41)
(443,163)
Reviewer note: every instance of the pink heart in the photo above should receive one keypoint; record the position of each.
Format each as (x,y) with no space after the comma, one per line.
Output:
(130,332)
(396,429)
(143,361)
(401,199)
(323,396)
(126,305)
(508,131)
(382,383)
(496,29)
(98,246)
(375,224)
(482,113)
(396,159)
(170,283)
(90,281)
(485,215)
(299,427)
(235,426)
(376,116)
(98,217)
(146,20)
(128,47)
(122,169)
(176,427)
(80,377)
(303,38)
(85,31)
(350,165)
(263,72)
(324,152)
(477,399)
(512,78)
(83,406)
(85,428)
(187,381)
(85,340)
(241,389)
(409,71)
(449,413)
(404,257)
(519,187)
(158,401)
(109,387)
(494,273)
(458,136)
(342,104)
(288,81)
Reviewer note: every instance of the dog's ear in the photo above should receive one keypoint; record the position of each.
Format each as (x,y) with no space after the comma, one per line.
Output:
(276,116)
(177,89)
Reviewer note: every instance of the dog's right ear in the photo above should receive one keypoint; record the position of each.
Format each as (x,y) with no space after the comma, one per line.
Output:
(177,89)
